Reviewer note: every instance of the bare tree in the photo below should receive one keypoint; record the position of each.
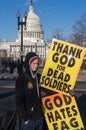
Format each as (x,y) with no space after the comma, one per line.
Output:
(59,34)
(79,31)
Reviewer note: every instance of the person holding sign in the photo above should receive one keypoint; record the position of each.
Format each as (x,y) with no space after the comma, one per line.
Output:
(28,99)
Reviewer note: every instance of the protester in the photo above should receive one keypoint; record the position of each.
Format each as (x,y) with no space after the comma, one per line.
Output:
(19,67)
(12,66)
(28,98)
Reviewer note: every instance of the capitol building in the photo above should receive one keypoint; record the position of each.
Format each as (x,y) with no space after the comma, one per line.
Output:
(33,40)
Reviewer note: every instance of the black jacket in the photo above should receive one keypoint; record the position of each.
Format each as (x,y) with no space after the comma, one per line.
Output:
(27,100)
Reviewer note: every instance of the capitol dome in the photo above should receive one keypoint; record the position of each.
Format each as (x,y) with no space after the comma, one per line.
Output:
(33,30)
(33,21)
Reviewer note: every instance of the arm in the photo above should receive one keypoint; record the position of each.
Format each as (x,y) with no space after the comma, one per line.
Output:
(20,98)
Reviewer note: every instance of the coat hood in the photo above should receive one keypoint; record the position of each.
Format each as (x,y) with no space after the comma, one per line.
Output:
(29,57)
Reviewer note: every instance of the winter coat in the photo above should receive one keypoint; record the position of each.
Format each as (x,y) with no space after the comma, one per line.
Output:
(27,99)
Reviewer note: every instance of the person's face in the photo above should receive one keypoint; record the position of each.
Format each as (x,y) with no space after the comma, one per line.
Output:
(34,65)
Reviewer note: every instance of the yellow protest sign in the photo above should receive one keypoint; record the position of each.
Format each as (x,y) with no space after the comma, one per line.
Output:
(61,112)
(62,66)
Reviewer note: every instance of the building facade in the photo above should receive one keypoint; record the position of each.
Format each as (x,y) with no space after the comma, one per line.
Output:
(33,39)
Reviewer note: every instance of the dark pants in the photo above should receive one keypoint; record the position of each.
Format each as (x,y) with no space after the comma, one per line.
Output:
(33,125)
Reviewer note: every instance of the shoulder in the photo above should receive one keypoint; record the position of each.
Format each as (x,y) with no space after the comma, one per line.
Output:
(20,82)
(20,79)
(38,75)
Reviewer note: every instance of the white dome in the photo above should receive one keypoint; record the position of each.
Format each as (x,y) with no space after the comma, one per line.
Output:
(33,30)
(33,21)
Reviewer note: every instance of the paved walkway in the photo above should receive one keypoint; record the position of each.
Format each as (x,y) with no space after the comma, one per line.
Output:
(8,102)
(8,76)
(81,76)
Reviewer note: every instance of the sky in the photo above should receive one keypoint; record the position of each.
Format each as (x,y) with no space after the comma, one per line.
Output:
(52,13)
